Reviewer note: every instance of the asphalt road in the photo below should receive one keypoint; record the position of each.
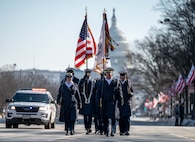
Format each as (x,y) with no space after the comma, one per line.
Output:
(142,130)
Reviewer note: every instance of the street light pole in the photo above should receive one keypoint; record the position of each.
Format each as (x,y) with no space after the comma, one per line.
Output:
(193,6)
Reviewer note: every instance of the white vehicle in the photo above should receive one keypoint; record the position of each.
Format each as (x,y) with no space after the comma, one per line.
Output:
(31,106)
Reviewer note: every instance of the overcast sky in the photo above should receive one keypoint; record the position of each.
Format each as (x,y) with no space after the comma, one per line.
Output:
(43,34)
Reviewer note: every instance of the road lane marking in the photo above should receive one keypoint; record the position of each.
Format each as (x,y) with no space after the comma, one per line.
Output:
(182,136)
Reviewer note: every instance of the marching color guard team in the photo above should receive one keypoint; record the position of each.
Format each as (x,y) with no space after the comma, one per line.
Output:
(98,100)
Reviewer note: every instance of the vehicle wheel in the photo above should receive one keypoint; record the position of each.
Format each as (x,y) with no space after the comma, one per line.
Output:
(53,125)
(7,125)
(48,125)
(15,125)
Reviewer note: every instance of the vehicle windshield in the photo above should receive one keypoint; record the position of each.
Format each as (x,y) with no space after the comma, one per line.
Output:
(22,97)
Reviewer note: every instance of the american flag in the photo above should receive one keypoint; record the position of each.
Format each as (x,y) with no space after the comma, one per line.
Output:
(191,75)
(162,98)
(155,102)
(86,46)
(180,84)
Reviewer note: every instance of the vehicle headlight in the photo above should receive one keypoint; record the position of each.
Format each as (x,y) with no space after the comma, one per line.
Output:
(43,108)
(12,107)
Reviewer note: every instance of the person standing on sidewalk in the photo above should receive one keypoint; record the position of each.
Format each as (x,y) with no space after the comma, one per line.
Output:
(177,114)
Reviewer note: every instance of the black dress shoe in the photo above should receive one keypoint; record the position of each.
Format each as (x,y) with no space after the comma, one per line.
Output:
(66,133)
(107,134)
(87,133)
(112,134)
(97,132)
(127,133)
(71,132)
(89,130)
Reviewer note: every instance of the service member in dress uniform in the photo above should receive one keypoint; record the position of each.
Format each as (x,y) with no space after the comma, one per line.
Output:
(97,116)
(87,93)
(68,98)
(74,79)
(125,109)
(108,93)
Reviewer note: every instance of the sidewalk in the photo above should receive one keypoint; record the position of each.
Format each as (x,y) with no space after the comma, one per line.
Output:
(186,122)
(189,122)
(2,119)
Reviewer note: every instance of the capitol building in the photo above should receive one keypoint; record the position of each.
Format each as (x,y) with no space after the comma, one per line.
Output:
(118,57)
(121,60)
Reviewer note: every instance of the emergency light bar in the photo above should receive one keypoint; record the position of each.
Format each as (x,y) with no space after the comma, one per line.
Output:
(39,89)
(36,89)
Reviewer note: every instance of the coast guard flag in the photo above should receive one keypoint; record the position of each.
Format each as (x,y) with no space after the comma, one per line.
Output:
(86,46)
(102,59)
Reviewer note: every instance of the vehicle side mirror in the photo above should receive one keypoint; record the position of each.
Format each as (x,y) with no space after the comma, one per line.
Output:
(8,100)
(53,101)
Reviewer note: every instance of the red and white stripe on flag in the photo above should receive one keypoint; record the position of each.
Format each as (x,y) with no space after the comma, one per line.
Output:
(149,105)
(155,102)
(86,46)
(191,75)
(180,84)
(162,98)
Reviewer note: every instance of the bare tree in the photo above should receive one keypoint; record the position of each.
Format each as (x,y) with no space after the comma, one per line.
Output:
(168,51)
(179,17)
